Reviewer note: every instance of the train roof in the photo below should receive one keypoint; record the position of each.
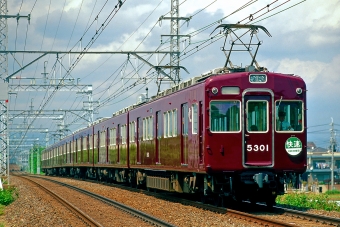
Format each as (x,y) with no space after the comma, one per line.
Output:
(181,86)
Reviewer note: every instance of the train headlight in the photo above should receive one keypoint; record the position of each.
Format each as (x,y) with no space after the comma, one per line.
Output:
(299,91)
(214,90)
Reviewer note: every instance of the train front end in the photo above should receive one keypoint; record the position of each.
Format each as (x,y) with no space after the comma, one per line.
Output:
(255,134)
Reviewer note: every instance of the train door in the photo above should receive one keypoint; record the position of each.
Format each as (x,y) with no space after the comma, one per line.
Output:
(258,129)
(184,133)
(107,141)
(98,145)
(158,136)
(76,151)
(88,147)
(139,139)
(118,142)
(200,132)
(81,149)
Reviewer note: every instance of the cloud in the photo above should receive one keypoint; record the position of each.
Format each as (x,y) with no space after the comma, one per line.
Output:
(308,70)
(313,22)
(328,80)
(74,4)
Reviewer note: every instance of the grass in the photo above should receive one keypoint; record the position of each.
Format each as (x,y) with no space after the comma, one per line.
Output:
(333,195)
(2,210)
(310,200)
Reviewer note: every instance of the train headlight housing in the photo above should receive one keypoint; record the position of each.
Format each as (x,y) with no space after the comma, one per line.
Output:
(214,90)
(299,91)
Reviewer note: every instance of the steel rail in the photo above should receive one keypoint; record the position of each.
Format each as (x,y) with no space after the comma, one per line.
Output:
(315,217)
(238,214)
(84,217)
(145,217)
(232,213)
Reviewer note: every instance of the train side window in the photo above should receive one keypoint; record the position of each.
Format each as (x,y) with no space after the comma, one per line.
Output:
(194,118)
(102,139)
(257,116)
(159,124)
(144,129)
(95,141)
(84,139)
(132,130)
(174,115)
(150,134)
(113,136)
(165,121)
(185,119)
(289,116)
(79,144)
(91,142)
(225,116)
(170,123)
(170,118)
(148,128)
(123,131)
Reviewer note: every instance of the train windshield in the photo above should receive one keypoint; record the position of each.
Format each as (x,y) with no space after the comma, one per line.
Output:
(225,116)
(257,116)
(289,116)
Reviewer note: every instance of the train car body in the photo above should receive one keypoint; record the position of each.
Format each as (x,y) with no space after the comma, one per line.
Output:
(216,135)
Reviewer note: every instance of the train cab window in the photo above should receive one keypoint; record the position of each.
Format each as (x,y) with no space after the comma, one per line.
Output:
(289,116)
(225,116)
(257,116)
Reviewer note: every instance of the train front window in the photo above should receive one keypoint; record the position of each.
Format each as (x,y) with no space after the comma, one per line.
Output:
(225,116)
(257,116)
(289,116)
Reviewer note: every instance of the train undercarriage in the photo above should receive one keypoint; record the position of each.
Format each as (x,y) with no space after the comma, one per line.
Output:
(253,186)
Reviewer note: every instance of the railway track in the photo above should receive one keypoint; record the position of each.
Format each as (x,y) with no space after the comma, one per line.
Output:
(86,218)
(289,217)
(276,217)
(251,219)
(81,215)
(312,217)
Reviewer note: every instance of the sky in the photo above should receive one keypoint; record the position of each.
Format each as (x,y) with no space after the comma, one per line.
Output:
(305,41)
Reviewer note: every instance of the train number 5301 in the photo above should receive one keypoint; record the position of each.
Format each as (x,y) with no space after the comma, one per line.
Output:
(257,147)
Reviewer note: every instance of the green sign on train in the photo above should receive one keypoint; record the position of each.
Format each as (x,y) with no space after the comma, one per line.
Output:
(293,146)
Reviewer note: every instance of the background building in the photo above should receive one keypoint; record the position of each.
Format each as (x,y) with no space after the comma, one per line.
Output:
(319,166)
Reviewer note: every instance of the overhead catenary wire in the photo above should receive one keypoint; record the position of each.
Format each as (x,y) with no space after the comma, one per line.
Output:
(196,48)
(192,51)
(44,103)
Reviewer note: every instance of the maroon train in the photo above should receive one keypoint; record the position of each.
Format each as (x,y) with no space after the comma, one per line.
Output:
(237,134)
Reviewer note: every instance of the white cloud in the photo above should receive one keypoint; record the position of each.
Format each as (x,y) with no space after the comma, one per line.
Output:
(72,4)
(324,74)
(312,21)
(308,70)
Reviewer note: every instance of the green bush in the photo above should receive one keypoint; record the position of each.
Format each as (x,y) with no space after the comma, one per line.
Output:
(6,197)
(311,201)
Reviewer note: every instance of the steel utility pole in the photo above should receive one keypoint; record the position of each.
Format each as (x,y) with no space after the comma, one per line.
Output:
(4,138)
(175,40)
(332,147)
